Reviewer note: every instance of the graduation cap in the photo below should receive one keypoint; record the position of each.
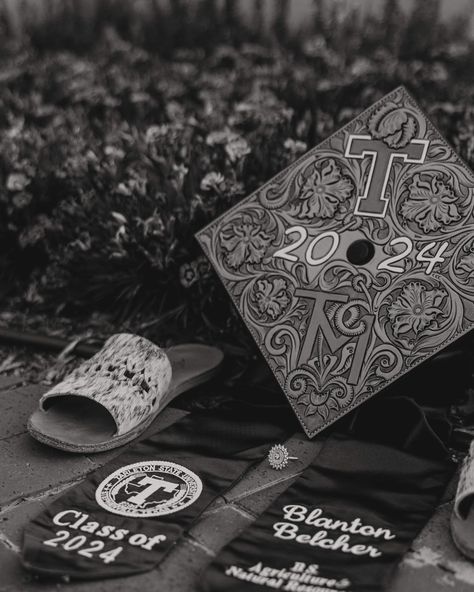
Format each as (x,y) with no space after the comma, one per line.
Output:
(356,263)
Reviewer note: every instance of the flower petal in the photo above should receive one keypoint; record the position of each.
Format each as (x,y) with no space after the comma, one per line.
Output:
(341,189)
(403,324)
(237,256)
(330,172)
(229,242)
(447,213)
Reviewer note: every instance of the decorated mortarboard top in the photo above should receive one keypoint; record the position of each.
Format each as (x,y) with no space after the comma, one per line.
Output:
(356,263)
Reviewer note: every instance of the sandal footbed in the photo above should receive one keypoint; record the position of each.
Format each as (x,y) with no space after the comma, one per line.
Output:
(462,532)
(79,424)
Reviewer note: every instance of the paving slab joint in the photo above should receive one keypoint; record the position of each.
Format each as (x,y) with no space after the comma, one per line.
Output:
(216,505)
(4,540)
(195,543)
(39,495)
(245,512)
(13,435)
(231,499)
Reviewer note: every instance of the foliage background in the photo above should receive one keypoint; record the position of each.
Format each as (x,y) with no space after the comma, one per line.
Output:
(127,126)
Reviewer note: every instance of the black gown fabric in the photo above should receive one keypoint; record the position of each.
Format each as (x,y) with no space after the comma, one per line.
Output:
(345,523)
(77,538)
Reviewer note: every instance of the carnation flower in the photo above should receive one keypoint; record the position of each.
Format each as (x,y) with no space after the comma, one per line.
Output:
(295,147)
(154,132)
(188,274)
(17,182)
(22,199)
(153,226)
(213,180)
(219,137)
(237,148)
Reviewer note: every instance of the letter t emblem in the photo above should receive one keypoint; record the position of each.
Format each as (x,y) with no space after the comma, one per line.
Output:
(154,484)
(374,202)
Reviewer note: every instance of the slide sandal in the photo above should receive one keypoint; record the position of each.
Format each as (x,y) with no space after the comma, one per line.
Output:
(462,518)
(114,396)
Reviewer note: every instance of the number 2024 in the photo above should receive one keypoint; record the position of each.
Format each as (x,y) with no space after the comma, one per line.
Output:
(76,542)
(388,264)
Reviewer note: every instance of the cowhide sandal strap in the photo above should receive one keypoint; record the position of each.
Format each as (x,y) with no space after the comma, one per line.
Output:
(111,398)
(462,518)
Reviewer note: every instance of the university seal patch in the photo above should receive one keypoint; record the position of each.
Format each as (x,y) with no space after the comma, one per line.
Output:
(148,489)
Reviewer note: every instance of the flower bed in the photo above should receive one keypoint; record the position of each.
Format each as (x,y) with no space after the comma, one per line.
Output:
(112,158)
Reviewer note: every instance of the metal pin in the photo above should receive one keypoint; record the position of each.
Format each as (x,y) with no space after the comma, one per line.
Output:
(278,457)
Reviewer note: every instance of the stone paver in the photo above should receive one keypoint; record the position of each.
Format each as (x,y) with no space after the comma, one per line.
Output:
(29,467)
(12,576)
(16,406)
(219,526)
(7,382)
(12,521)
(434,564)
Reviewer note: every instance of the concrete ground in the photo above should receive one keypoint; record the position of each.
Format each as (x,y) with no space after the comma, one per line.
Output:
(33,474)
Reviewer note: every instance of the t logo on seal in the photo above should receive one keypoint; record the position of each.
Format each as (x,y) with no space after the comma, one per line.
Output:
(373,202)
(164,487)
(154,484)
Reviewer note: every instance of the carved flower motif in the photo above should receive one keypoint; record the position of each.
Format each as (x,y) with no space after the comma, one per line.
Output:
(245,242)
(415,308)
(430,203)
(271,296)
(334,396)
(394,125)
(323,190)
(318,386)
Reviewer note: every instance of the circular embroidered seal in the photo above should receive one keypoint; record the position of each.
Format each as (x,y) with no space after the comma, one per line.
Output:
(148,489)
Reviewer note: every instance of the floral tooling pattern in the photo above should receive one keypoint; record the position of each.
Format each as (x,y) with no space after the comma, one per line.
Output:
(393,124)
(336,332)
(431,203)
(323,189)
(415,308)
(271,297)
(244,242)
